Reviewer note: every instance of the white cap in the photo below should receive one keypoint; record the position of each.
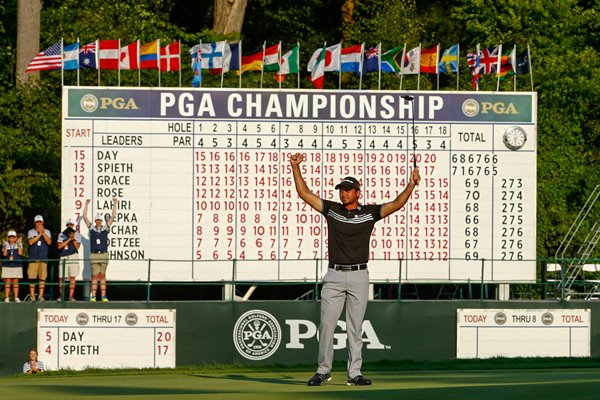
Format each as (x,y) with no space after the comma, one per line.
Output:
(98,216)
(38,218)
(70,221)
(12,233)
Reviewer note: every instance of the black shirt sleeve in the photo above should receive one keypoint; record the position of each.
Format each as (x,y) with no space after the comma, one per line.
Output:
(375,211)
(326,206)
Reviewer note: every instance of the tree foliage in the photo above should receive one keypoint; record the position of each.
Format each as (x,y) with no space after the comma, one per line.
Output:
(562,34)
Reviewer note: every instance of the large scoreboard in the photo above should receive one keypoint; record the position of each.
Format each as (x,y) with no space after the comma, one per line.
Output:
(205,189)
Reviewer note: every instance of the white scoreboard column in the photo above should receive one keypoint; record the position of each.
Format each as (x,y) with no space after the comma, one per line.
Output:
(301,227)
(386,173)
(171,154)
(258,194)
(472,168)
(122,159)
(214,205)
(515,205)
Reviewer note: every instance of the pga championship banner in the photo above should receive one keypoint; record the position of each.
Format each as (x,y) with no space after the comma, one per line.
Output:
(205,191)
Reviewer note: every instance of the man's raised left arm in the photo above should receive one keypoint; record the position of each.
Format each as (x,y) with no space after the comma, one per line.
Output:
(399,202)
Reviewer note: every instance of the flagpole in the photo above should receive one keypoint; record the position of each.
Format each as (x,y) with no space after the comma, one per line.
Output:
(530,68)
(240,63)
(477,67)
(279,64)
(513,63)
(437,69)
(419,69)
(298,64)
(62,62)
(457,64)
(360,68)
(199,54)
(77,60)
(498,68)
(340,64)
(379,65)
(97,59)
(262,64)
(402,66)
(180,64)
(158,59)
(138,63)
(279,60)
(222,62)
(119,63)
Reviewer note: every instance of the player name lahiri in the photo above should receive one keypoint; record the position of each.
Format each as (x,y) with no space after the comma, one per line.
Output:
(299,105)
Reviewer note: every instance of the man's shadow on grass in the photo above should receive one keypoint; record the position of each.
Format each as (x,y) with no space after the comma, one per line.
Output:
(283,380)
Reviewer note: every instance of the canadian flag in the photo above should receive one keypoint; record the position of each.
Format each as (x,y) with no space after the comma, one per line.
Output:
(129,58)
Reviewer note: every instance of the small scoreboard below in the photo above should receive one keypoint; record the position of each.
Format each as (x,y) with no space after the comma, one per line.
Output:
(93,338)
(485,333)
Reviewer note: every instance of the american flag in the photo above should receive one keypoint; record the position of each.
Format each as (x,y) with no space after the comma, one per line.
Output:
(51,58)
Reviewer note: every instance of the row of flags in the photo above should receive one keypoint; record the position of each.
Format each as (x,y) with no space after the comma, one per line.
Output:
(108,54)
(221,57)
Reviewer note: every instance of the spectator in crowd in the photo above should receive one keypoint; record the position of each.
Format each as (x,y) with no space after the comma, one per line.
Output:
(12,269)
(33,366)
(39,239)
(99,248)
(68,243)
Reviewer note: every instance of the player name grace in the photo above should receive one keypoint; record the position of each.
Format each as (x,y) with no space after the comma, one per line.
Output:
(293,105)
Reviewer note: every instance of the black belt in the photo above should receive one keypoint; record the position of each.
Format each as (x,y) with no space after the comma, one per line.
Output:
(347,267)
(99,252)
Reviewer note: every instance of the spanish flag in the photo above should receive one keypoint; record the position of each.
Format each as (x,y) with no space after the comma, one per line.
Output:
(429,60)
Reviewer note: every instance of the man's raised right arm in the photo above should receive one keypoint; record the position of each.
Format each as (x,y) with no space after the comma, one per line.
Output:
(303,191)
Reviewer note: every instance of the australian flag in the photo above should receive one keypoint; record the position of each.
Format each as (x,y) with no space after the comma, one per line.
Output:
(88,57)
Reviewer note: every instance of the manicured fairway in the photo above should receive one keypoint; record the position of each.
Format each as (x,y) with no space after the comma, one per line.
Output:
(579,383)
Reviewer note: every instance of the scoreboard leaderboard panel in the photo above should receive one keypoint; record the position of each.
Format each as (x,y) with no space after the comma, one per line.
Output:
(205,188)
(95,338)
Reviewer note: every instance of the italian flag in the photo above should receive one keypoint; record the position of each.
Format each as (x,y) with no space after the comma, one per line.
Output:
(271,59)
(317,75)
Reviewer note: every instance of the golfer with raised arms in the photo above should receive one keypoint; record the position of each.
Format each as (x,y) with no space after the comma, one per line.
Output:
(346,282)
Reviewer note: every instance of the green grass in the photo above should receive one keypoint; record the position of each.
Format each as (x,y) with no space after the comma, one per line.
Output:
(501,379)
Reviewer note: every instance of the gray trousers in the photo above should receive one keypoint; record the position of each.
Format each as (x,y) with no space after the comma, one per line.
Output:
(351,288)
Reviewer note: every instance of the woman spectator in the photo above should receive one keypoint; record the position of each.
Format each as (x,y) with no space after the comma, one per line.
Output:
(33,366)
(12,270)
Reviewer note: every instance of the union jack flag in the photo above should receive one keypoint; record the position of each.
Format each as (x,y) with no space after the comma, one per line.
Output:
(483,62)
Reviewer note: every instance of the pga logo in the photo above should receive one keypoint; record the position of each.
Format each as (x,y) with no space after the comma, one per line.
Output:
(257,335)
